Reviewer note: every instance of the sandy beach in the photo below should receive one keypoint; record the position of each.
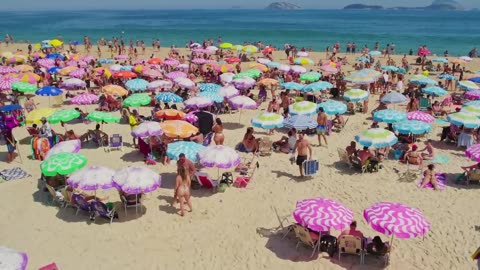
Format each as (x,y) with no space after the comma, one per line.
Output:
(238,229)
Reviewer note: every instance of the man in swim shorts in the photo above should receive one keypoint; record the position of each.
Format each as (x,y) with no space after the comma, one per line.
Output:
(304,150)
(322,126)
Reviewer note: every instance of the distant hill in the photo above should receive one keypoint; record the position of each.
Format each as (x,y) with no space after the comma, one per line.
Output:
(364,7)
(282,6)
(448,5)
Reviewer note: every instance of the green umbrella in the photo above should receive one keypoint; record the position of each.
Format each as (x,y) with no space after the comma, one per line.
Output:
(24,87)
(243,75)
(63,116)
(103,117)
(254,72)
(137,100)
(310,76)
(63,164)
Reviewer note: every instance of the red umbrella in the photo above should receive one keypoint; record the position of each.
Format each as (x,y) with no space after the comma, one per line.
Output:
(155,61)
(125,74)
(233,60)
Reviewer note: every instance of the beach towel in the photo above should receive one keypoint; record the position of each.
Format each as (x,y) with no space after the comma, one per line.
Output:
(441,179)
(13,174)
(439,159)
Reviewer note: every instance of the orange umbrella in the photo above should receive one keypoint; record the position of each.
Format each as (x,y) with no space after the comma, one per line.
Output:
(155,61)
(125,74)
(178,129)
(112,89)
(66,70)
(170,114)
(268,82)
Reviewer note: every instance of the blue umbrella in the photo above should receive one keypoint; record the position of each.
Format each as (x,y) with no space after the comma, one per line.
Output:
(317,86)
(402,71)
(412,127)
(54,70)
(49,91)
(389,116)
(105,61)
(393,98)
(300,122)
(55,56)
(136,84)
(273,64)
(473,103)
(76,42)
(475,80)
(375,53)
(212,95)
(447,77)
(209,87)
(332,107)
(126,68)
(292,86)
(9,108)
(390,68)
(422,80)
(435,91)
(190,149)
(46,46)
(440,60)
(363,59)
(167,97)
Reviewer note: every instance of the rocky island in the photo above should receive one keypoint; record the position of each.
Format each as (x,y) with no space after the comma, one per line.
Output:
(283,6)
(445,5)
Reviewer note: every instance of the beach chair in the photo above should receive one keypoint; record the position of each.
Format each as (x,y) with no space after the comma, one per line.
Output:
(136,205)
(58,101)
(265,147)
(55,197)
(282,219)
(472,177)
(304,237)
(208,139)
(206,182)
(385,257)
(349,244)
(81,204)
(424,104)
(101,210)
(357,163)
(67,199)
(343,155)
(310,167)
(115,142)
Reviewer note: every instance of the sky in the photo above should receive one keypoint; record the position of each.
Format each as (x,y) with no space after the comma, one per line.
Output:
(195,4)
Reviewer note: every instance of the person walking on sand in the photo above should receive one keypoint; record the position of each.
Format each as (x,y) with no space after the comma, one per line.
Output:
(182,190)
(322,126)
(304,150)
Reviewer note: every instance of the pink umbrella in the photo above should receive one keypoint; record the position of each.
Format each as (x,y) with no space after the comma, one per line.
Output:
(73,83)
(199,61)
(140,62)
(473,152)
(421,116)
(152,73)
(182,67)
(396,219)
(8,69)
(6,82)
(121,57)
(328,68)
(191,117)
(77,73)
(84,99)
(88,58)
(320,214)
(473,95)
(202,51)
(171,62)
(76,63)
(176,74)
(46,62)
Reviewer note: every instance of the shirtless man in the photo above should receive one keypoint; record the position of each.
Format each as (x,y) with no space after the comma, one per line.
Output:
(285,101)
(304,149)
(322,126)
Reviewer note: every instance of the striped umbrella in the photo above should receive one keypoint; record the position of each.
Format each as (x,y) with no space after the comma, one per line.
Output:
(259,67)
(473,152)
(216,97)
(447,77)
(228,91)
(243,83)
(209,87)
(159,84)
(63,164)
(268,121)
(190,149)
(472,95)
(420,79)
(147,129)
(364,76)
(167,97)
(311,76)
(389,116)
(176,74)
(46,62)
(136,85)
(472,109)
(468,85)
(8,69)
(303,61)
(320,214)
(421,116)
(356,95)
(292,86)
(98,116)
(112,89)
(465,119)
(84,99)
(6,82)
(178,129)
(300,122)
(435,91)
(317,86)
(394,98)
(170,114)
(198,102)
(137,100)
(376,137)
(332,107)
(223,68)
(63,116)
(303,108)
(92,178)
(29,77)
(24,87)
(412,127)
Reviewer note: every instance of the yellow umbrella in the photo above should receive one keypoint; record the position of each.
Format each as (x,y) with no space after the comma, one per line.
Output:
(7,54)
(103,71)
(37,46)
(250,49)
(268,82)
(178,129)
(139,68)
(66,70)
(112,89)
(29,77)
(36,115)
(16,59)
(226,45)
(258,66)
(237,48)
(24,68)
(75,57)
(56,43)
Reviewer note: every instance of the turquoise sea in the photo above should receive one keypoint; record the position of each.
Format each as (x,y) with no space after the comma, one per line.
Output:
(457,32)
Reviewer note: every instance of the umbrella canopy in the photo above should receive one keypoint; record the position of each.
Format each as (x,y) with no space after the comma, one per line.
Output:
(24,87)
(137,100)
(421,116)
(447,77)
(356,95)
(8,69)
(178,129)
(243,102)
(78,73)
(328,68)
(12,260)
(319,214)
(364,76)
(136,85)
(112,89)
(185,83)
(228,91)
(296,69)
(243,83)
(394,98)
(310,76)
(303,61)
(440,60)
(209,87)
(292,86)
(268,121)
(475,79)
(420,79)
(332,107)
(159,84)
(375,53)
(136,180)
(284,68)
(70,146)
(98,116)
(124,74)
(468,85)
(170,114)
(465,119)
(36,115)
(190,149)
(472,103)
(147,129)
(219,156)
(63,116)
(7,82)
(389,116)
(10,107)
(226,45)
(268,82)
(84,99)
(472,109)
(376,137)
(396,219)
(92,178)
(412,127)
(63,164)
(303,108)
(435,91)
(212,95)
(176,74)
(49,91)
(472,95)
(166,97)
(73,83)
(29,77)
(317,86)
(300,122)
(250,49)
(390,68)
(473,152)
(198,102)
(227,77)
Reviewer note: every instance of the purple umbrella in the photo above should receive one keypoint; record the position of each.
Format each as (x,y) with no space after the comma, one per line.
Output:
(320,214)
(46,62)
(185,83)
(243,102)
(473,152)
(78,73)
(71,146)
(219,156)
(191,117)
(244,83)
(176,74)
(84,99)
(228,91)
(473,95)
(159,84)
(147,129)
(73,83)
(137,180)
(12,260)
(88,58)
(171,62)
(198,102)
(82,64)
(92,178)
(121,57)
(199,61)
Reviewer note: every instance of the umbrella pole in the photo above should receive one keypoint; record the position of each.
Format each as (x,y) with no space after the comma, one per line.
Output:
(240,115)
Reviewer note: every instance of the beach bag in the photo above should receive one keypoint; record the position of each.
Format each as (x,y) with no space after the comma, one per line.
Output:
(241,182)
(328,244)
(222,187)
(227,178)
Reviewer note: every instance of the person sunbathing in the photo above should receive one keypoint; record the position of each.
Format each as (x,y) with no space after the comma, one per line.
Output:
(429,177)
(286,143)
(338,121)
(413,157)
(473,169)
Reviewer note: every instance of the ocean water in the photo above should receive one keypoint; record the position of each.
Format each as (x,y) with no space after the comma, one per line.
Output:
(456,32)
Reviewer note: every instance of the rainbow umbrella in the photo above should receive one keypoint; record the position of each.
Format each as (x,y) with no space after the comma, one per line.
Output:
(24,87)
(364,76)
(356,95)
(137,100)
(258,66)
(412,127)
(190,149)
(389,116)
(468,85)
(465,119)
(376,137)
(63,164)
(267,121)
(63,116)
(332,107)
(98,116)
(36,115)
(303,108)
(303,61)
(317,86)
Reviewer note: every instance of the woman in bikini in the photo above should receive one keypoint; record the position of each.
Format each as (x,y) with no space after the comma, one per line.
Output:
(182,190)
(218,138)
(429,177)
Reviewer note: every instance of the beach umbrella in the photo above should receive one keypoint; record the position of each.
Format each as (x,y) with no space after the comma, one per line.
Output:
(185,83)
(231,60)
(136,180)
(376,137)
(364,76)
(12,260)
(209,87)
(198,102)
(70,146)
(440,60)
(356,95)
(303,61)
(375,53)
(396,219)
(420,79)
(394,98)
(170,114)
(226,45)
(36,115)
(363,59)
(49,91)
(471,109)
(258,66)
(171,62)
(220,156)
(7,82)
(473,152)
(317,86)
(227,77)
(292,86)
(190,149)
(63,164)
(243,102)
(434,91)
(228,91)
(458,61)
(300,122)
(237,48)
(176,74)
(468,85)
(10,108)
(472,103)
(216,97)
(412,127)
(421,116)
(147,72)
(121,57)
(77,73)
(250,49)
(24,68)
(328,68)
(136,85)
(178,129)
(319,214)
(92,178)
(273,64)
(159,84)
(310,76)
(167,97)
(390,68)
(73,83)
(199,61)
(302,54)
(66,70)
(332,107)
(63,116)
(268,82)
(298,69)
(116,67)
(389,116)
(16,59)
(243,83)
(8,69)
(124,74)
(475,80)
(465,58)
(56,43)
(263,61)
(285,68)
(147,129)
(223,68)
(113,89)
(107,73)
(212,48)
(46,62)
(154,61)
(99,116)
(468,120)
(191,117)
(137,100)
(303,108)
(472,95)
(267,120)
(447,77)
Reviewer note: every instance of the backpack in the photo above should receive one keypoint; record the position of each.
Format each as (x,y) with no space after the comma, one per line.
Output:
(328,244)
